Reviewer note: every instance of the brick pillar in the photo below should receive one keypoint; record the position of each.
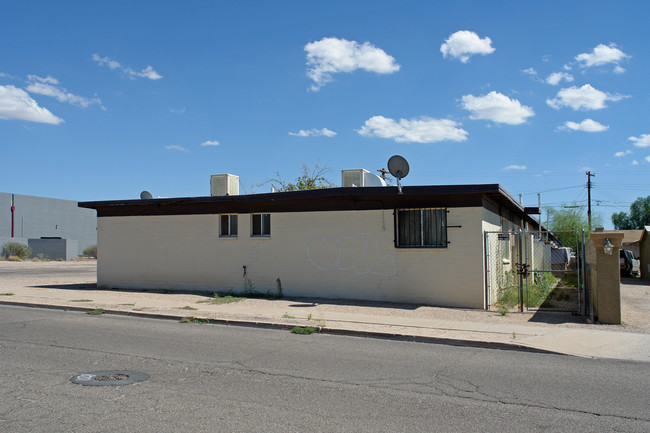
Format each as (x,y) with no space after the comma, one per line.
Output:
(605,276)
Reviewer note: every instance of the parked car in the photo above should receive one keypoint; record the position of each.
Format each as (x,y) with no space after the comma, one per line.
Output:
(630,265)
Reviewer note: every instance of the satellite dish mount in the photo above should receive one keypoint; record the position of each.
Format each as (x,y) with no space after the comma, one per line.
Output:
(399,168)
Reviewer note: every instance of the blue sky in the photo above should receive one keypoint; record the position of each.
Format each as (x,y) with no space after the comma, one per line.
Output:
(99,101)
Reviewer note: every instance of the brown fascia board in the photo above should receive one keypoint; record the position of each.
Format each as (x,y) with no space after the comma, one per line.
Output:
(329,199)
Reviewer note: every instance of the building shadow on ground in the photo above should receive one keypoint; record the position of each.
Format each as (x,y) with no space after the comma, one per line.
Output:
(557,317)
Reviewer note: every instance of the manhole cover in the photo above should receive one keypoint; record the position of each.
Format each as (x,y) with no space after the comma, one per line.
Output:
(109,378)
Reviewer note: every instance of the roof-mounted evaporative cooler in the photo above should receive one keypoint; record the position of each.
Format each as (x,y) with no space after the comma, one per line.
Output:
(360,177)
(224,184)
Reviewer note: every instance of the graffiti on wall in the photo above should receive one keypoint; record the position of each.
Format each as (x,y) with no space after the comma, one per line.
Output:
(360,253)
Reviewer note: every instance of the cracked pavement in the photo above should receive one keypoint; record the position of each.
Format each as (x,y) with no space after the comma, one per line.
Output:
(221,378)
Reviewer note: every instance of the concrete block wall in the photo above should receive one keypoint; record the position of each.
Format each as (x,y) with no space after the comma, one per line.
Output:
(338,254)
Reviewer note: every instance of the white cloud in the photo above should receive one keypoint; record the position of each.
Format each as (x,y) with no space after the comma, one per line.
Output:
(176,147)
(331,56)
(515,167)
(587,125)
(647,158)
(48,86)
(48,79)
(464,44)
(314,133)
(556,77)
(601,55)
(622,153)
(642,141)
(420,130)
(635,162)
(210,143)
(147,72)
(105,61)
(17,104)
(618,69)
(497,107)
(582,98)
(529,71)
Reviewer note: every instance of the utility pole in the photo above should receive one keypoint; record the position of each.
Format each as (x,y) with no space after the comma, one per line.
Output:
(589,176)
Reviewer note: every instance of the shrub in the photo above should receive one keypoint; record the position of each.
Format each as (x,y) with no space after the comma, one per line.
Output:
(306,330)
(91,251)
(16,249)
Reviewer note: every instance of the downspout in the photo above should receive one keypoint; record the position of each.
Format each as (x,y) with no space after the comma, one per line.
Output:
(13,211)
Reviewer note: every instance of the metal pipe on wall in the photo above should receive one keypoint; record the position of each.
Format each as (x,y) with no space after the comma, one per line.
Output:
(13,211)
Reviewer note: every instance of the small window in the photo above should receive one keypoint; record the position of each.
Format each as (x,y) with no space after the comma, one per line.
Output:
(421,228)
(228,226)
(261,225)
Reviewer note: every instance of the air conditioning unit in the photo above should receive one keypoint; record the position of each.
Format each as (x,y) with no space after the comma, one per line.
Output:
(224,184)
(360,177)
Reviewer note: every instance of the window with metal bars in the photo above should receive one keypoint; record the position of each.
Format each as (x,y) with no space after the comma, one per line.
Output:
(421,228)
(228,226)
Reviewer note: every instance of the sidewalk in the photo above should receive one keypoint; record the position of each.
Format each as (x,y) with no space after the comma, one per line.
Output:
(544,332)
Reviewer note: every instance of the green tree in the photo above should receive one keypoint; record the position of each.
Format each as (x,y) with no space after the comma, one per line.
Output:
(571,218)
(310,179)
(638,217)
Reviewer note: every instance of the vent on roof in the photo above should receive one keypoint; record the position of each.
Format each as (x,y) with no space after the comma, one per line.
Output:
(360,177)
(224,184)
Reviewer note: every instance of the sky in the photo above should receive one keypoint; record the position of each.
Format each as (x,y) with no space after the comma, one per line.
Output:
(102,100)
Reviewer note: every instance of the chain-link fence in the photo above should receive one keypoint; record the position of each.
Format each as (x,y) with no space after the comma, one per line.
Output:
(535,270)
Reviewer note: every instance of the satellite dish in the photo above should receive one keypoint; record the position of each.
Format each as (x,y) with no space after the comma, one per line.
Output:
(399,168)
(145,195)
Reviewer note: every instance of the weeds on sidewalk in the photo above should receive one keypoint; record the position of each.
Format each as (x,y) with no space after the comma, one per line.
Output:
(187,307)
(81,300)
(303,330)
(287,316)
(218,300)
(192,319)
(6,294)
(95,312)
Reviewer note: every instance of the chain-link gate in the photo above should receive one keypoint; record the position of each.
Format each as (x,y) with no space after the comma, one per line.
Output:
(535,270)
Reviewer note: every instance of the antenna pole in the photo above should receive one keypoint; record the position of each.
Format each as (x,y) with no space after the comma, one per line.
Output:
(589,176)
(383,172)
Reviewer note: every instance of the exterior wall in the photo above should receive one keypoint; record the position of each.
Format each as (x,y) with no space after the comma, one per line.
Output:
(39,216)
(340,254)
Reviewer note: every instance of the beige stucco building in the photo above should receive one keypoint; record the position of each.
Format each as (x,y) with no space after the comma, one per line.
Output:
(424,246)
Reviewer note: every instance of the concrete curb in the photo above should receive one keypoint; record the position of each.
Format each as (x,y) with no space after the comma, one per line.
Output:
(328,331)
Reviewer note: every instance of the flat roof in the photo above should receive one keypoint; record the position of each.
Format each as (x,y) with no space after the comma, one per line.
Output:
(344,198)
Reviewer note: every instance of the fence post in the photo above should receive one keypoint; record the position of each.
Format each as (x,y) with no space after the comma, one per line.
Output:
(487,269)
(521,276)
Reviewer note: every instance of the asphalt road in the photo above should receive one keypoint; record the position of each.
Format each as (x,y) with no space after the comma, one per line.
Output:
(218,378)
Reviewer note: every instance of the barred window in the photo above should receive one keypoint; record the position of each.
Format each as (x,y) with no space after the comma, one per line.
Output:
(421,228)
(261,225)
(228,226)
